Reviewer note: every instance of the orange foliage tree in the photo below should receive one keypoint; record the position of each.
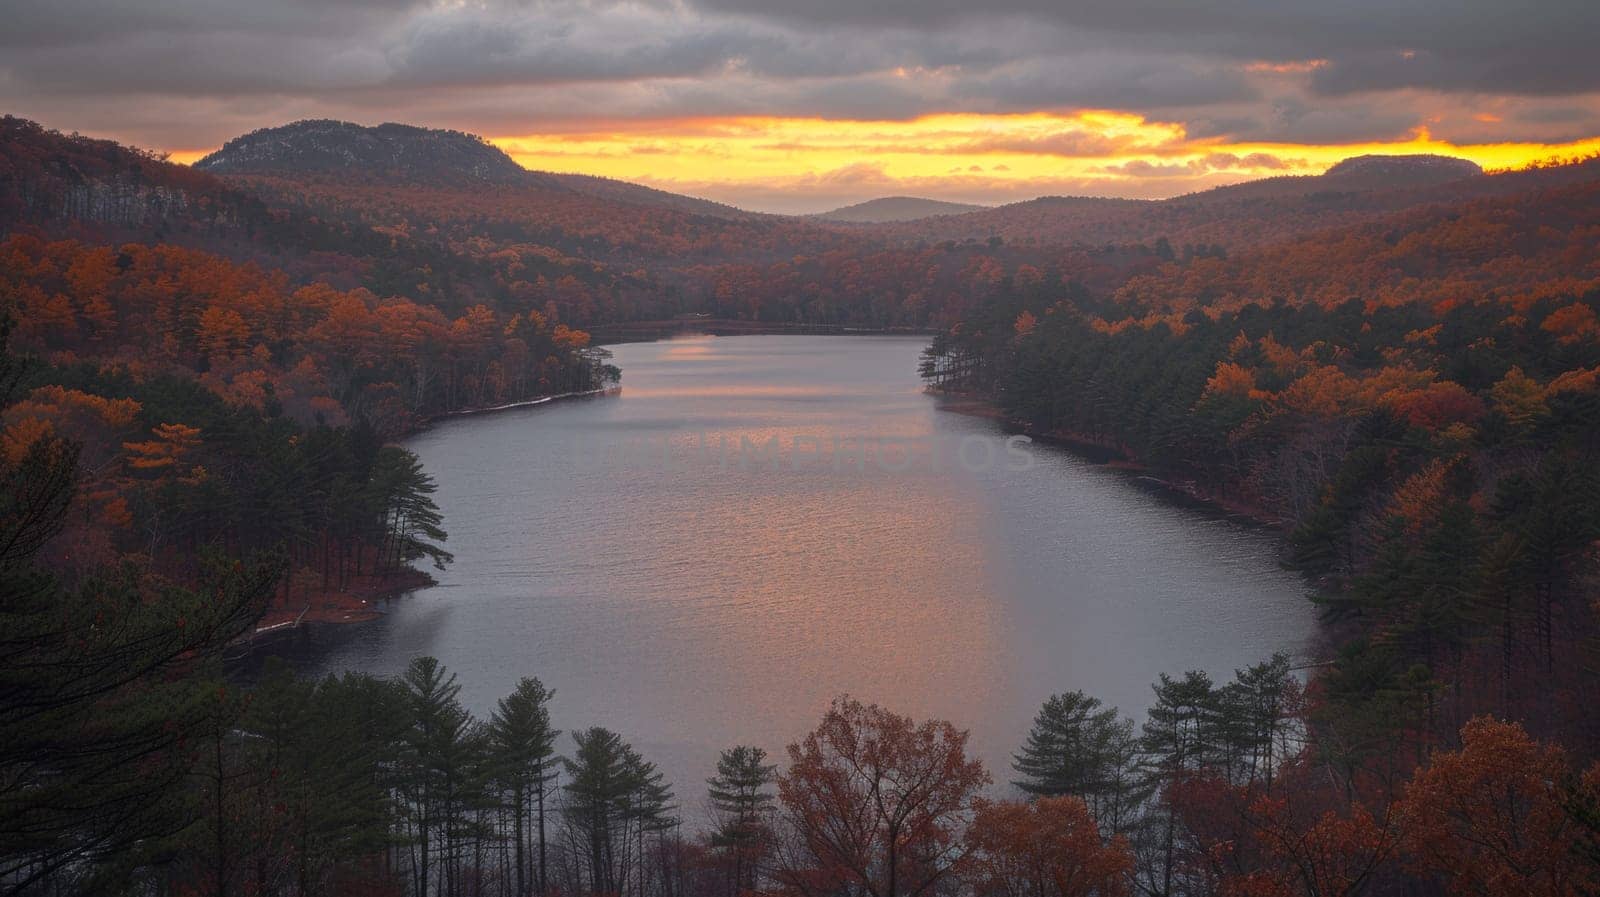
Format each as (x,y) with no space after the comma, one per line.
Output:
(1048,848)
(1492,817)
(315,353)
(876,802)
(1337,855)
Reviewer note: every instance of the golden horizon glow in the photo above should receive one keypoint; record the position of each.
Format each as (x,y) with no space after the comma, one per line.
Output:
(956,155)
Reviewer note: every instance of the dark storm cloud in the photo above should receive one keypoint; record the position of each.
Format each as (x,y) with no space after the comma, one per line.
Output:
(1538,48)
(228,65)
(626,42)
(68,23)
(1098,79)
(1558,69)
(1290,119)
(230,47)
(519,48)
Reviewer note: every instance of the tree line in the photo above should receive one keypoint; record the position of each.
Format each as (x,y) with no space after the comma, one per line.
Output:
(131,765)
(1415,404)
(361,785)
(1435,470)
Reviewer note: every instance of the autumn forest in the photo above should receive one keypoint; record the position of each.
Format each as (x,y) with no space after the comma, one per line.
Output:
(209,374)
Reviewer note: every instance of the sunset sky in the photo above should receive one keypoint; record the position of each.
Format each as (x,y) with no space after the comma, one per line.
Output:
(786,105)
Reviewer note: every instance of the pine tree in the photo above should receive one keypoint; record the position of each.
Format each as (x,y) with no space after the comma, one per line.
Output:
(100,715)
(594,795)
(1253,720)
(647,808)
(1178,738)
(329,745)
(440,772)
(1080,749)
(741,798)
(522,750)
(402,492)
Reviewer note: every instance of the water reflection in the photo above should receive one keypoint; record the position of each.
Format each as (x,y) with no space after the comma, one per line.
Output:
(693,606)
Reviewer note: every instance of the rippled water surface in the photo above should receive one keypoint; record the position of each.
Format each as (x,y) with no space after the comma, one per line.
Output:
(689,603)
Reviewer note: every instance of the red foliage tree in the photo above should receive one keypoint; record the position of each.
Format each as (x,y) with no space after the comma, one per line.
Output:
(1492,818)
(876,802)
(1048,848)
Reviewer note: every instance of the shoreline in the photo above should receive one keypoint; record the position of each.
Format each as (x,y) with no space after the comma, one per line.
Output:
(1323,641)
(525,403)
(1113,457)
(358,602)
(654,331)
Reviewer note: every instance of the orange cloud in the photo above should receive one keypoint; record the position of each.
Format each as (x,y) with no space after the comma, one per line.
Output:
(1283,68)
(804,164)
(972,156)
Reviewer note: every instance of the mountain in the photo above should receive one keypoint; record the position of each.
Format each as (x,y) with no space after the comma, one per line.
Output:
(1357,174)
(1409,170)
(442,218)
(896,208)
(402,153)
(1506,248)
(421,157)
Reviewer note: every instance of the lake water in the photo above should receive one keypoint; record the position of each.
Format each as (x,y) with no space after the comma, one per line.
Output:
(617,549)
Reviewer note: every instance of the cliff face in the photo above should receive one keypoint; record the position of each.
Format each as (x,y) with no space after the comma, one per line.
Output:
(47,176)
(121,202)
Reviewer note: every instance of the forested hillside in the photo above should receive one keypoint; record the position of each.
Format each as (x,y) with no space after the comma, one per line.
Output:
(56,185)
(1414,401)
(202,376)
(896,208)
(1254,213)
(405,154)
(227,373)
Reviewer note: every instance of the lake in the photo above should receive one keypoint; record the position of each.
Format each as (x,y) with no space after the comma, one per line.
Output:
(680,577)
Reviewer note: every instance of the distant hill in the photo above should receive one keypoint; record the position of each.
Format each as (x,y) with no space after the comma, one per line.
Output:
(638,194)
(896,208)
(427,157)
(1247,214)
(389,152)
(1358,174)
(1410,170)
(436,217)
(1508,247)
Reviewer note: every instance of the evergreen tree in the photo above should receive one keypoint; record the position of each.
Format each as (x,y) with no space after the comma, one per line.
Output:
(402,491)
(647,809)
(594,800)
(329,745)
(612,799)
(100,713)
(214,851)
(522,751)
(1179,737)
(1253,721)
(1080,749)
(440,778)
(741,798)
